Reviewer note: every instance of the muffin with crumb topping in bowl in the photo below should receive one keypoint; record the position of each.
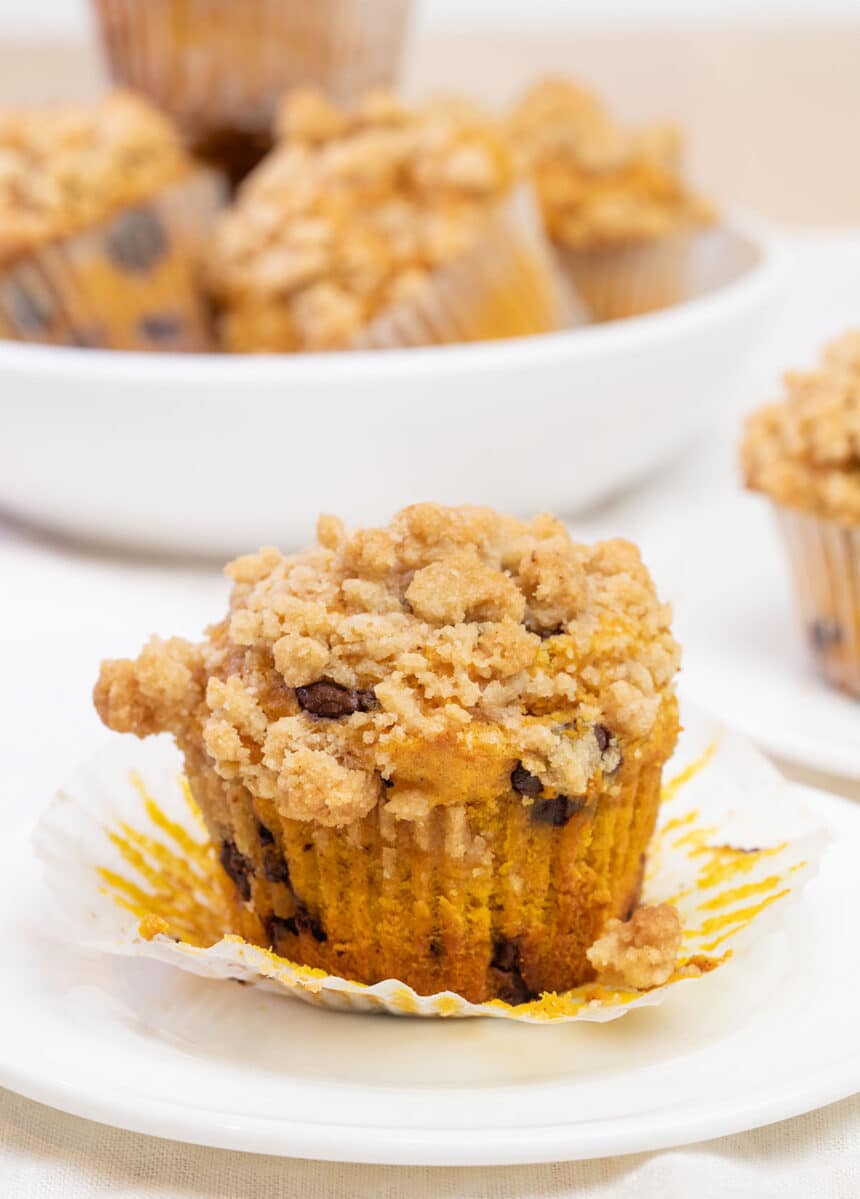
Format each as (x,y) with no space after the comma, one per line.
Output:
(432,751)
(804,455)
(384,227)
(219,67)
(614,200)
(101,217)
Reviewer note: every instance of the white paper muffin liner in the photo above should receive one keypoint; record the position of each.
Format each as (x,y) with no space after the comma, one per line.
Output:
(218,64)
(507,285)
(733,846)
(824,557)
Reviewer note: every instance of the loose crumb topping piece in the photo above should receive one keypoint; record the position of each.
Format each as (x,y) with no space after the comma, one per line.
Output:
(805,451)
(66,167)
(350,214)
(601,184)
(641,952)
(441,660)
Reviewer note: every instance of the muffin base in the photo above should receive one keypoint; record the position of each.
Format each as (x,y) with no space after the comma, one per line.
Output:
(508,285)
(824,557)
(129,283)
(494,900)
(631,280)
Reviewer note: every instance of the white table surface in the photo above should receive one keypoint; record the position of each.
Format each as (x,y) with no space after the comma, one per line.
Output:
(63,608)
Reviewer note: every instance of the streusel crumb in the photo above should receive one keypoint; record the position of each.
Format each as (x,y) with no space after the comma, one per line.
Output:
(66,167)
(351,213)
(367,669)
(641,952)
(805,451)
(599,183)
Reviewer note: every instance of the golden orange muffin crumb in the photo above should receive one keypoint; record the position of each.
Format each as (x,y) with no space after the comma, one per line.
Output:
(640,952)
(804,452)
(600,184)
(351,214)
(430,751)
(66,167)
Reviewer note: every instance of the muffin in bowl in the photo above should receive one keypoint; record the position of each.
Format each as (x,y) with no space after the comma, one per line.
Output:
(431,751)
(383,227)
(803,454)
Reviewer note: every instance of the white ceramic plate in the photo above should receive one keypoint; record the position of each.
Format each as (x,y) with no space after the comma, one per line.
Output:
(139,1045)
(216,455)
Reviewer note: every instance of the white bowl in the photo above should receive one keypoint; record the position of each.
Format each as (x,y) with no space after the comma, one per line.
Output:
(214,455)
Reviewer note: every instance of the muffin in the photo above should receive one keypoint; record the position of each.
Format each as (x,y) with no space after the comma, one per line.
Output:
(219,67)
(383,227)
(804,455)
(101,216)
(614,201)
(431,751)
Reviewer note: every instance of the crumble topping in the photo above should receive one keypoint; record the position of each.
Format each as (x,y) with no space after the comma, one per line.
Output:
(66,167)
(641,952)
(805,451)
(451,657)
(600,184)
(351,213)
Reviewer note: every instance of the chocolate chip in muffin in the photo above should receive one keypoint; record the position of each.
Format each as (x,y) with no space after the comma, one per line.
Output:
(267,837)
(331,700)
(558,811)
(137,241)
(525,783)
(824,633)
(275,868)
(238,868)
(436,947)
(304,922)
(161,328)
(387,783)
(276,929)
(506,961)
(611,757)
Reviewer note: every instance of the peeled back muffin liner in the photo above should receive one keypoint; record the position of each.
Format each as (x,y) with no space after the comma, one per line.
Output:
(128,283)
(220,65)
(824,557)
(507,285)
(631,280)
(130,870)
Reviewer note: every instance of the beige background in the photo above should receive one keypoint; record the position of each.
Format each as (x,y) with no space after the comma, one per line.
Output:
(771,116)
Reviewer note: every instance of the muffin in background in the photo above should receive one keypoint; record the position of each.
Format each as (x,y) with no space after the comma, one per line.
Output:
(219,67)
(380,227)
(431,752)
(613,199)
(804,455)
(101,217)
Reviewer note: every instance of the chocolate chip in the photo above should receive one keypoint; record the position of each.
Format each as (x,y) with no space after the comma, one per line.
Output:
(277,928)
(387,783)
(557,812)
(29,313)
(436,947)
(308,847)
(602,736)
(331,700)
(238,868)
(160,327)
(137,241)
(525,783)
(275,868)
(506,961)
(611,756)
(266,836)
(824,633)
(304,922)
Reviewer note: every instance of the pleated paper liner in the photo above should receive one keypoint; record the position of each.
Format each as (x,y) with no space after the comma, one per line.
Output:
(129,870)
(824,557)
(219,67)
(632,280)
(507,285)
(130,283)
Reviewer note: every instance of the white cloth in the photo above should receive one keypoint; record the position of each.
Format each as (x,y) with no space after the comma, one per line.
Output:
(62,609)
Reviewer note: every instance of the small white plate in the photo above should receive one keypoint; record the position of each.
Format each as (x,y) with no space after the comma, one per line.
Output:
(139,1045)
(216,455)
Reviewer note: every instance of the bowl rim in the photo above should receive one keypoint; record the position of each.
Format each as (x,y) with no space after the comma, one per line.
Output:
(590,341)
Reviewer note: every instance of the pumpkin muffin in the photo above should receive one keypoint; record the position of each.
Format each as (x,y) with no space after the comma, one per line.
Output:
(613,199)
(101,214)
(804,455)
(431,751)
(219,67)
(382,227)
